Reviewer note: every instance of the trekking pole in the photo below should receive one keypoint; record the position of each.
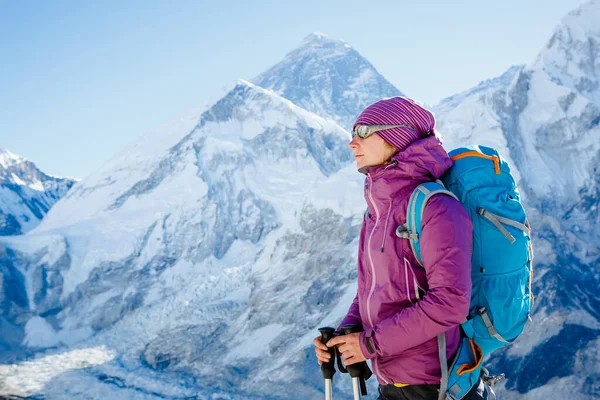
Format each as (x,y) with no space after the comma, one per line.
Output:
(328,368)
(359,371)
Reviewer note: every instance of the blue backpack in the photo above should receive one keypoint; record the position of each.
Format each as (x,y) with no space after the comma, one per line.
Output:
(501,265)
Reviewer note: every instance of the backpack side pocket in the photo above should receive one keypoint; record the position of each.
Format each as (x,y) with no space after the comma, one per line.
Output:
(465,369)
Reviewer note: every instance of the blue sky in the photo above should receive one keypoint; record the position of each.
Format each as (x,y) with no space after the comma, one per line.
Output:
(81,79)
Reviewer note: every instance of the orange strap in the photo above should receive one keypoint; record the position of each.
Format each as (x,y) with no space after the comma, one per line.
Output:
(476,154)
(477,354)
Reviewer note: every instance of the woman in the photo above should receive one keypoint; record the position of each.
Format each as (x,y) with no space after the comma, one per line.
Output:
(401,306)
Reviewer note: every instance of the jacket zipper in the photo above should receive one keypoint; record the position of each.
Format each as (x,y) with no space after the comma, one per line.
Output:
(373,276)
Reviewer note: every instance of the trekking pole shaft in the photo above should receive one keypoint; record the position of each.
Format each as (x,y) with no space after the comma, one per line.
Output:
(327,389)
(356,388)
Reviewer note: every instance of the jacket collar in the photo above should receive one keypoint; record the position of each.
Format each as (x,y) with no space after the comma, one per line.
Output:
(422,161)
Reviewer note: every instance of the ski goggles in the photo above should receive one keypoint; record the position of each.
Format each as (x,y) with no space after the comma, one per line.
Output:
(364,131)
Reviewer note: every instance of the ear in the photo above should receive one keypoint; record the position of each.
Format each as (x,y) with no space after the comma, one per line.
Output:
(390,150)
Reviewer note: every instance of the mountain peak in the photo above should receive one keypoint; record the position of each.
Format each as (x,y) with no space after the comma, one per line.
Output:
(320,45)
(8,159)
(315,37)
(320,39)
(329,78)
(318,36)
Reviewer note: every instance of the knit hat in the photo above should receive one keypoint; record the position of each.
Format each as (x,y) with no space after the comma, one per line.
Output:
(397,111)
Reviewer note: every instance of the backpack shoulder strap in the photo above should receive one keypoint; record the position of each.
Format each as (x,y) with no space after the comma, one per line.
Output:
(412,230)
(414,214)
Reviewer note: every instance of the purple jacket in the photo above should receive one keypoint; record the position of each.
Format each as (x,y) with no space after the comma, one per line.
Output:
(401,306)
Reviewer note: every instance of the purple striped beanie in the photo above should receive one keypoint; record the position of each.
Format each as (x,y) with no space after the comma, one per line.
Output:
(397,111)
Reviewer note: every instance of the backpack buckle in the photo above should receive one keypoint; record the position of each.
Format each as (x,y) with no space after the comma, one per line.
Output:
(403,233)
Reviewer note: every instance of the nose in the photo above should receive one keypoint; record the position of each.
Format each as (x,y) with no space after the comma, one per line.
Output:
(354,142)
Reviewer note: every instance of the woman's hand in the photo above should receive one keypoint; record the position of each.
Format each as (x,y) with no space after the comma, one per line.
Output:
(349,347)
(321,350)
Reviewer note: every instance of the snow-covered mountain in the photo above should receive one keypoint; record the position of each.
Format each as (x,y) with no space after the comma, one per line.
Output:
(26,193)
(200,253)
(198,263)
(544,114)
(329,78)
(544,117)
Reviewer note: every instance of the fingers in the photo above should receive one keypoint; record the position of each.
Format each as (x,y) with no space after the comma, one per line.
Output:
(350,360)
(321,351)
(347,353)
(350,338)
(335,341)
(318,344)
(322,355)
(347,345)
(343,348)
(350,352)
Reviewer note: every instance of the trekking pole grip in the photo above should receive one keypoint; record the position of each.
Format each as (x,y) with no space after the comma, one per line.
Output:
(355,370)
(328,368)
(359,370)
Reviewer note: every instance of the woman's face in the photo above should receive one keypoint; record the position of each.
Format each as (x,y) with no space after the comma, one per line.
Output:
(371,151)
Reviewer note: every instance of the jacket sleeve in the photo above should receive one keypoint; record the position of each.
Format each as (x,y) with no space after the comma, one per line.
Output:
(446,247)
(353,315)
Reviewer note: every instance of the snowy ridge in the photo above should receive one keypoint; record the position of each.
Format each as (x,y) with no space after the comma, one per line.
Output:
(494,84)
